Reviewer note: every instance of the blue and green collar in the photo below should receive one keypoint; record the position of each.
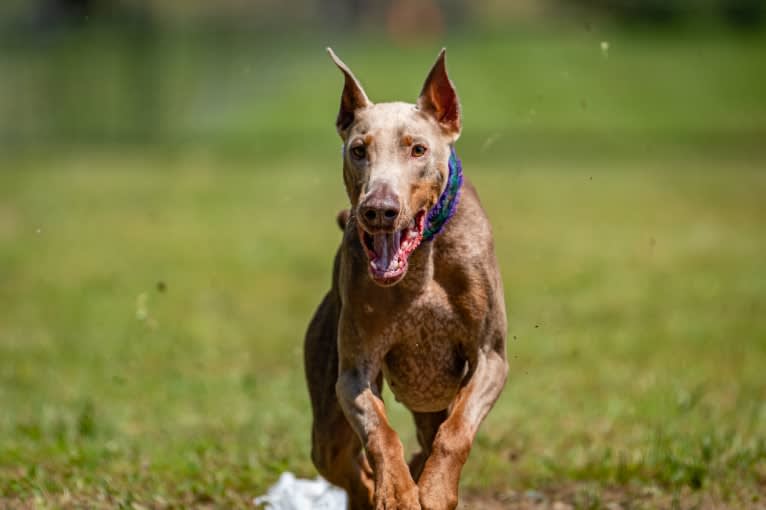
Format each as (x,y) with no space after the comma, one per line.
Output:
(446,206)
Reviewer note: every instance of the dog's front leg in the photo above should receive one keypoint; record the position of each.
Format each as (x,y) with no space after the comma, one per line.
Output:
(440,478)
(360,399)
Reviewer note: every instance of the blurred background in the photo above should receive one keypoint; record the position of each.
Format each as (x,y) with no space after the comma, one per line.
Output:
(169,178)
(240,75)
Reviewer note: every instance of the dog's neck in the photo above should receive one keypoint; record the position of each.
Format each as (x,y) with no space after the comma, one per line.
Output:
(446,206)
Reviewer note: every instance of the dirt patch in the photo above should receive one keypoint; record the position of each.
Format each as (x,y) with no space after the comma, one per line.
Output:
(591,497)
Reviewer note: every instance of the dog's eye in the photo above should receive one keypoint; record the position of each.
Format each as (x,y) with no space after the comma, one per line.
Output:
(359,152)
(418,151)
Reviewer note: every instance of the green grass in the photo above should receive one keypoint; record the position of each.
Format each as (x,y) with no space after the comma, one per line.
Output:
(636,298)
(153,302)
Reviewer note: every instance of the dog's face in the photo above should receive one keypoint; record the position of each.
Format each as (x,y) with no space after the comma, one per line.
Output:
(395,165)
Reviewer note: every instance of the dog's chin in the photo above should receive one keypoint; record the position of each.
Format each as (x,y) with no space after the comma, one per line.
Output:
(388,253)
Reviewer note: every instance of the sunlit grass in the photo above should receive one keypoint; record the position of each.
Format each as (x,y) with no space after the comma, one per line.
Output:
(634,296)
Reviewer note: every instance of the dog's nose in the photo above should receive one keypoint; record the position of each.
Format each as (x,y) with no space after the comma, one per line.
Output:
(380,209)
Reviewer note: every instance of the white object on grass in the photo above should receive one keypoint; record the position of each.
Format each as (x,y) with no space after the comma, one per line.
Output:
(290,493)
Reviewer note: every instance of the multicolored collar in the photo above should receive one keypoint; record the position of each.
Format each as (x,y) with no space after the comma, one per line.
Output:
(446,206)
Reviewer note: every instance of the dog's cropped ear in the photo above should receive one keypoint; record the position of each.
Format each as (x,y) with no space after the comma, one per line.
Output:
(439,98)
(352,99)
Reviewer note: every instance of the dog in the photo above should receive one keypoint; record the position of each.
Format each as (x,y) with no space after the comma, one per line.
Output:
(416,300)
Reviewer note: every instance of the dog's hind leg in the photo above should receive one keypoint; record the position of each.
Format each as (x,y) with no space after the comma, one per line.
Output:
(427,425)
(335,448)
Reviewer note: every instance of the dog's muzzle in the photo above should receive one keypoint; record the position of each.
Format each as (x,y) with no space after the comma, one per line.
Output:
(389,252)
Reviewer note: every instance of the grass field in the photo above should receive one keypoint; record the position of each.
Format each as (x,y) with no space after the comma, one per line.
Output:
(153,301)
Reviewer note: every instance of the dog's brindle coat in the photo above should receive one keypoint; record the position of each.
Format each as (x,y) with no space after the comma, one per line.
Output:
(432,325)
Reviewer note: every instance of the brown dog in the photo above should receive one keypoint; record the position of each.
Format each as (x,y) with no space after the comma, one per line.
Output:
(416,299)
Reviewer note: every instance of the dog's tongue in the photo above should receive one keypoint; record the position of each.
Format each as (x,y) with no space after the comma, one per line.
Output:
(386,247)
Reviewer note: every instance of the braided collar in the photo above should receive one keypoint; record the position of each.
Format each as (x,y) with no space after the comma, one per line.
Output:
(446,206)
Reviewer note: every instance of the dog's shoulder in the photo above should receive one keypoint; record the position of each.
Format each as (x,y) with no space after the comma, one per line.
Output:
(469,233)
(342,218)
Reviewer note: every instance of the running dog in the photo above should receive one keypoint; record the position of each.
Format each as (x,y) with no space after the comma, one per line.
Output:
(416,300)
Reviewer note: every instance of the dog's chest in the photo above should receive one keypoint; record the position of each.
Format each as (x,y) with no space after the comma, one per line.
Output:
(425,365)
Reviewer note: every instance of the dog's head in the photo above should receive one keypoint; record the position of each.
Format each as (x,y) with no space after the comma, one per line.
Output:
(395,165)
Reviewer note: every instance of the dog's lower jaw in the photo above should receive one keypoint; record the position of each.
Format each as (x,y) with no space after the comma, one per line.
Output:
(388,281)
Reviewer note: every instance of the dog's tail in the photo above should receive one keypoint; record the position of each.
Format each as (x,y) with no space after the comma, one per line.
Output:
(342,218)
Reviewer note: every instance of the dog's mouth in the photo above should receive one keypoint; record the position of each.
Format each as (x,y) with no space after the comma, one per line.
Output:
(389,252)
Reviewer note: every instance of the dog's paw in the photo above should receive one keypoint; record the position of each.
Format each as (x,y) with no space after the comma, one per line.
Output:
(436,493)
(397,494)
(438,500)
